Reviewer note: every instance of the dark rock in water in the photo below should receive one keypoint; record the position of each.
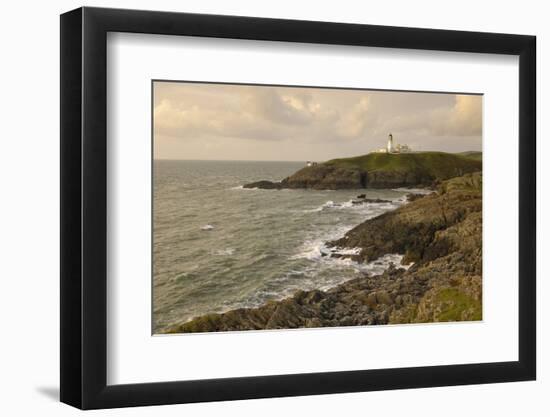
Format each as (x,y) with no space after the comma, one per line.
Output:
(377,200)
(370,200)
(362,196)
(264,185)
(440,233)
(326,177)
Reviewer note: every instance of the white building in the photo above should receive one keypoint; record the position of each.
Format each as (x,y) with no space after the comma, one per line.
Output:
(391,148)
(401,148)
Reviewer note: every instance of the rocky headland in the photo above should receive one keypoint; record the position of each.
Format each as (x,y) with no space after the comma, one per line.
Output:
(439,233)
(377,170)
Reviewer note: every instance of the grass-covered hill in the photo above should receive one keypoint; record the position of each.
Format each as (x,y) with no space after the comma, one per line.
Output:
(438,164)
(380,170)
(476,155)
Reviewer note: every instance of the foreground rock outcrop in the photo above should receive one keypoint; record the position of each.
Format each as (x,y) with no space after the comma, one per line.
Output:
(440,233)
(422,169)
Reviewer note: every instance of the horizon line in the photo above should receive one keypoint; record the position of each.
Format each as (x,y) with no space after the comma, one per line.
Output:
(287,160)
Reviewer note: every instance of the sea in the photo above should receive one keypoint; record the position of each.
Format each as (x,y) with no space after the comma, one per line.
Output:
(218,246)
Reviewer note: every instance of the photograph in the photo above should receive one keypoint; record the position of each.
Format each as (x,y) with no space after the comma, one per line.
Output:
(244,208)
(284,207)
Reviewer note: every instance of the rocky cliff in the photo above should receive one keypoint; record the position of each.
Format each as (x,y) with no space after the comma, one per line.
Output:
(376,170)
(441,233)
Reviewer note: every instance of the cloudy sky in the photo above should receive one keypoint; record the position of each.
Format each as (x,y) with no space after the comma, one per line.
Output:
(241,122)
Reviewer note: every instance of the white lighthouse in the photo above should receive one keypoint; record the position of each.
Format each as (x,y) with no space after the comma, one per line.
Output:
(389,148)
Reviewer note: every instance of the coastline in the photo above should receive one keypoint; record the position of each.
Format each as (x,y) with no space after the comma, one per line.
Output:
(377,170)
(439,233)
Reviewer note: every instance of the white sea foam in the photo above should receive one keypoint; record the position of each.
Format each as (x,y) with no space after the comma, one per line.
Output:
(243,188)
(334,264)
(323,206)
(367,206)
(327,267)
(346,251)
(348,204)
(224,252)
(359,205)
(327,258)
(376,267)
(207,227)
(422,191)
(400,200)
(316,248)
(307,278)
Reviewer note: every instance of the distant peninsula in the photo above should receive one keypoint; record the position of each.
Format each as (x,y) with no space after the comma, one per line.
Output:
(379,170)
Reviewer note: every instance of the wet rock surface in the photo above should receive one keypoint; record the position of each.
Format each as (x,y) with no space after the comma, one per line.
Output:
(439,233)
(264,185)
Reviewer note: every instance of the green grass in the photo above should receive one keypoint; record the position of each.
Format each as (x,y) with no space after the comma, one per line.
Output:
(456,303)
(472,183)
(436,164)
(450,304)
(474,155)
(406,314)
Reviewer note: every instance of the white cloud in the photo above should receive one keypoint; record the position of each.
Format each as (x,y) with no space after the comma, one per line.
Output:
(217,115)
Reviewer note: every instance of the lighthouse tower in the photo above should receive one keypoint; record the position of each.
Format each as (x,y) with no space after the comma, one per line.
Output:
(389,148)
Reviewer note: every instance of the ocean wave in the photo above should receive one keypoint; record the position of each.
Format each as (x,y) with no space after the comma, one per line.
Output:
(316,248)
(374,268)
(359,205)
(319,266)
(307,278)
(328,204)
(223,252)
(346,251)
(421,191)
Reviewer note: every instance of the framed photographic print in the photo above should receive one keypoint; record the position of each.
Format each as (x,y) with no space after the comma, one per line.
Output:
(259,207)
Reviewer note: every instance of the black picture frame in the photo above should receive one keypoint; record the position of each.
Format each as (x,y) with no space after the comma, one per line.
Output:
(84,207)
